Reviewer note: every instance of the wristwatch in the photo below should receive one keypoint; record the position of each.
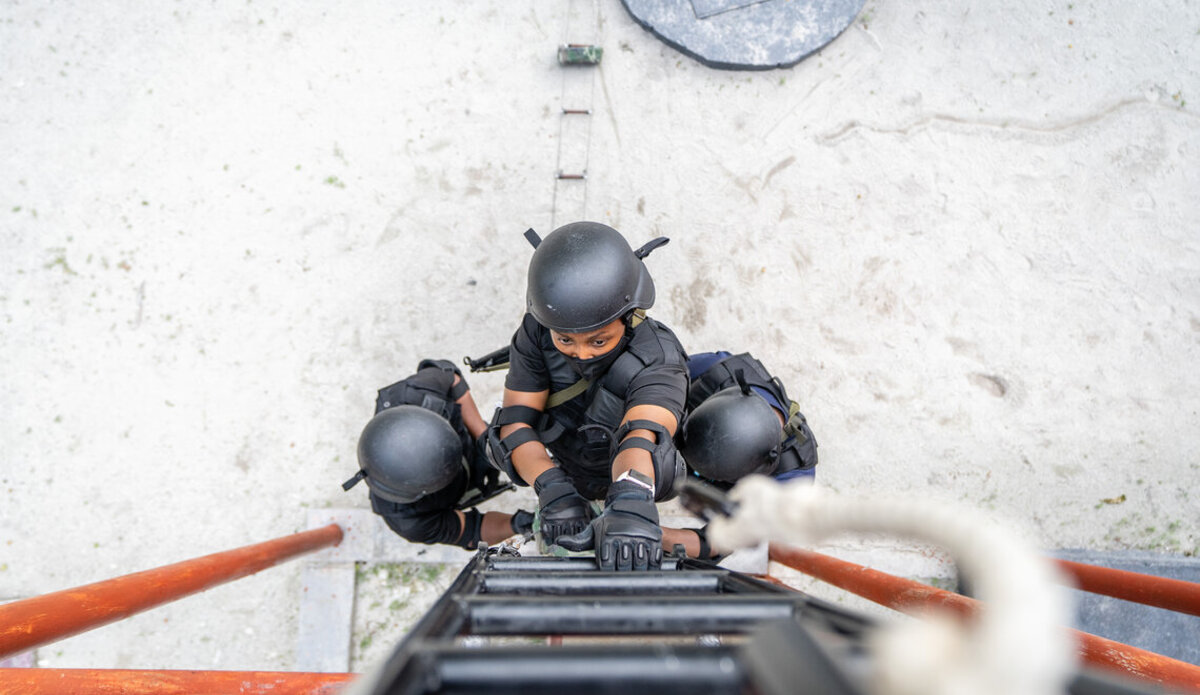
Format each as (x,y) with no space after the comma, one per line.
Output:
(637,478)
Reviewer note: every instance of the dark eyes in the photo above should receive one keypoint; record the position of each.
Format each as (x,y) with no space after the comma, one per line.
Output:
(598,342)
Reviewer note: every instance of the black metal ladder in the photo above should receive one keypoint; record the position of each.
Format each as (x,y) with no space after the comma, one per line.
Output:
(690,627)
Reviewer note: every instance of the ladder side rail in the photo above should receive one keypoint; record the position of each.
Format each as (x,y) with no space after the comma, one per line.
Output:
(447,618)
(835,617)
(1161,592)
(37,621)
(83,681)
(909,596)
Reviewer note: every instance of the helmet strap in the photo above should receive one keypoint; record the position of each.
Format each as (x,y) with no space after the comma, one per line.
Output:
(740,375)
(355,480)
(649,246)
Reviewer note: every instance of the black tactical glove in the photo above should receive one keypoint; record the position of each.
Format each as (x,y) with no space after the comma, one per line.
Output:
(627,535)
(521,522)
(563,510)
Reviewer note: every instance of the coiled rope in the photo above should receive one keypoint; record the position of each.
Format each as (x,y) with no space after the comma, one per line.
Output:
(1018,645)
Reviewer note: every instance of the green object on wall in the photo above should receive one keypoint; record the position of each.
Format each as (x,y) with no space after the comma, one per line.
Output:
(579,54)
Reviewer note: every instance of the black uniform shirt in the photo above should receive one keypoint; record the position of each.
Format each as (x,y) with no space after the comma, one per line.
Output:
(536,365)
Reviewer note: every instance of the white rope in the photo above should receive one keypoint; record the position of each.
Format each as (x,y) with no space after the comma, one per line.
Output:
(1016,646)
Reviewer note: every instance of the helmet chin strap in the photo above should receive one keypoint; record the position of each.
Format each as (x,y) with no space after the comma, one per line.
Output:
(740,376)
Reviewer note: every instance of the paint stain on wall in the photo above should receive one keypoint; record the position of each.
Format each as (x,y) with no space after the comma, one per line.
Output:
(692,302)
(991,383)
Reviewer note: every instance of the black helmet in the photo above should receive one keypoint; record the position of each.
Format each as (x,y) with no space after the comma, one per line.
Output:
(584,275)
(732,434)
(407,452)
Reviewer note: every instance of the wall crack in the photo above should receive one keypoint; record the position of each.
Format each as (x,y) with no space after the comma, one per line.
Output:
(1002,124)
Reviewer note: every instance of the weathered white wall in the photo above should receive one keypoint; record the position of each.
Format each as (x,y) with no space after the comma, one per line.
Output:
(965,235)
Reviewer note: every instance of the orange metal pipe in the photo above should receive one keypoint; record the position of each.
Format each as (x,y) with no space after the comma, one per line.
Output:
(1162,592)
(54,681)
(908,596)
(36,621)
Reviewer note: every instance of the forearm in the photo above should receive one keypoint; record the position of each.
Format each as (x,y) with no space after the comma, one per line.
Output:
(681,536)
(473,421)
(635,459)
(694,542)
(497,526)
(531,458)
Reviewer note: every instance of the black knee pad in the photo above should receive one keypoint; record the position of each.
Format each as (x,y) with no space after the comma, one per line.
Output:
(669,466)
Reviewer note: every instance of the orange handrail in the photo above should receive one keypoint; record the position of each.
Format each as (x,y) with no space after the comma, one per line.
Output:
(1162,592)
(36,621)
(908,596)
(81,681)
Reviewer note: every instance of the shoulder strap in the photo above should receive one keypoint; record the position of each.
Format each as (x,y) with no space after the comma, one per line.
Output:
(796,425)
(615,379)
(722,375)
(559,397)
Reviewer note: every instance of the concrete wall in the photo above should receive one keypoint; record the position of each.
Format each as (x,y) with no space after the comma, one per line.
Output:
(965,235)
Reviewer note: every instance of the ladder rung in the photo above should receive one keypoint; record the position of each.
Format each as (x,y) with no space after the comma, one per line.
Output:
(621,615)
(580,669)
(556,564)
(587,583)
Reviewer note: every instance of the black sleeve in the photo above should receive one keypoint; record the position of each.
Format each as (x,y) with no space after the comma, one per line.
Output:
(664,385)
(438,526)
(527,365)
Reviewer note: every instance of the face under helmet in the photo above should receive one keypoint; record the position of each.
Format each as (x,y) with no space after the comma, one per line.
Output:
(584,275)
(407,452)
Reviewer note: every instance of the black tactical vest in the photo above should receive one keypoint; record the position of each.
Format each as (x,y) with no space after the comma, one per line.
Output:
(580,433)
(799,451)
(432,388)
